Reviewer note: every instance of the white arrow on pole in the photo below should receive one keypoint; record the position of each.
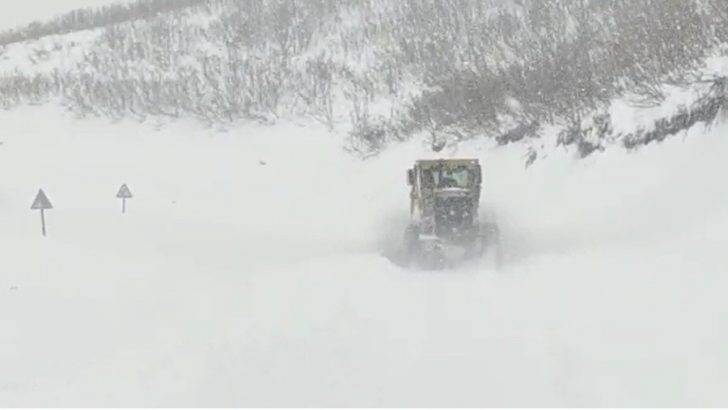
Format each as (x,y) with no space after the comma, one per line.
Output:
(41,203)
(124,194)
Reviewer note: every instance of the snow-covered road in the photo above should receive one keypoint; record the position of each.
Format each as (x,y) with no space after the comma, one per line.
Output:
(248,272)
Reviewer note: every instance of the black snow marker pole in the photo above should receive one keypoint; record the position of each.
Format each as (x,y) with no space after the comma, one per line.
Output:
(41,203)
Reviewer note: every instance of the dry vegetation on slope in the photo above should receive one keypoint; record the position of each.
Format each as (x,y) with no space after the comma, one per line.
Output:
(386,69)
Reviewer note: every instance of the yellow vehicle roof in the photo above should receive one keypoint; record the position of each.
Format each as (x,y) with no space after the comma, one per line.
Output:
(429,163)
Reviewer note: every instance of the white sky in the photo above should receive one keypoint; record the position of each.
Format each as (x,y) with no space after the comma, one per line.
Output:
(14,13)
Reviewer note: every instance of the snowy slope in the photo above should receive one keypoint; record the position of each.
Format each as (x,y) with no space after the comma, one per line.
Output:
(41,10)
(248,272)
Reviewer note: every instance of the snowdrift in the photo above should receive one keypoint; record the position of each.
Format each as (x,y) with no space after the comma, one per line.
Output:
(248,271)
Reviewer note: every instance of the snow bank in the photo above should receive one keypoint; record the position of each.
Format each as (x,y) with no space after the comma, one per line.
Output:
(248,272)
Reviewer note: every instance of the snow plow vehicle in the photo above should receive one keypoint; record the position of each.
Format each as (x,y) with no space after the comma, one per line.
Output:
(445,227)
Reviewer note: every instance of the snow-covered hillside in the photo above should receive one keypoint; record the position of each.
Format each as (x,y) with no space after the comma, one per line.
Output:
(378,70)
(35,10)
(248,271)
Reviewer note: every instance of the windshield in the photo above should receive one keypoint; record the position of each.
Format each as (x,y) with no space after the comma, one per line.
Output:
(458,177)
